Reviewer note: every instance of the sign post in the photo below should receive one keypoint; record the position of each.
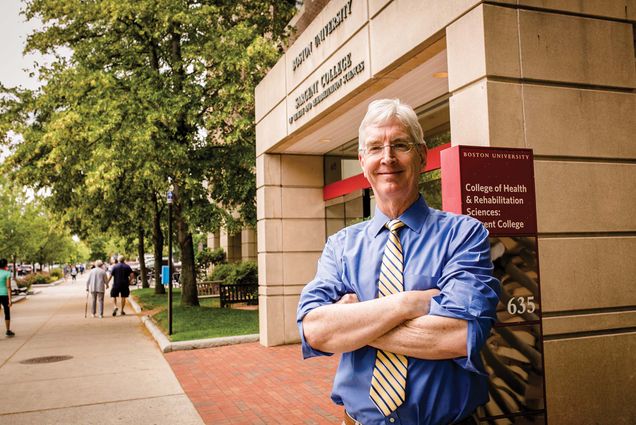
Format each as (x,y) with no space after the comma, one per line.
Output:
(169,200)
(496,186)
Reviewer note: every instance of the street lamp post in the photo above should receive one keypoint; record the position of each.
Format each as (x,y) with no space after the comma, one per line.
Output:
(170,262)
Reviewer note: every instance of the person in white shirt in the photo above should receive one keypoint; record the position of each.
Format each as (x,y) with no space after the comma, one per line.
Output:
(97,284)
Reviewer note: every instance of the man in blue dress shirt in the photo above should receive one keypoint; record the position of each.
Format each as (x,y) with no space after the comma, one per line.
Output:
(439,319)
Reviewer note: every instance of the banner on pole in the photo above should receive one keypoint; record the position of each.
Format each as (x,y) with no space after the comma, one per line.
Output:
(165,275)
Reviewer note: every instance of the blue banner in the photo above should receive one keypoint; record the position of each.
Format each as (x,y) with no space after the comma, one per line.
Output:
(165,272)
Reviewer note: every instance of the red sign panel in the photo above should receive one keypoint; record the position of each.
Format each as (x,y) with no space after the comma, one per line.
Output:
(496,186)
(493,185)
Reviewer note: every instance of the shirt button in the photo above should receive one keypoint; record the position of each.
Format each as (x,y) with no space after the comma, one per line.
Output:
(391,420)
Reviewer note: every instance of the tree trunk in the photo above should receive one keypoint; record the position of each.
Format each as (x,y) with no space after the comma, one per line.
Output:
(189,293)
(142,260)
(157,240)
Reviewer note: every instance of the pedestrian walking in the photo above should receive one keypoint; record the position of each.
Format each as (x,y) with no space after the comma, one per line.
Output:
(5,294)
(74,272)
(96,285)
(122,276)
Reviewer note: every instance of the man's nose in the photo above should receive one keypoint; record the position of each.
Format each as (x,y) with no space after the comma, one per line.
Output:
(388,154)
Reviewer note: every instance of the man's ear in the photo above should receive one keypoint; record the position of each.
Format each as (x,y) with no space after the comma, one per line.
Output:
(361,160)
(423,152)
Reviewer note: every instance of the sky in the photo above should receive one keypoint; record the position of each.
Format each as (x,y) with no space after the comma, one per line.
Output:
(14,67)
(13,33)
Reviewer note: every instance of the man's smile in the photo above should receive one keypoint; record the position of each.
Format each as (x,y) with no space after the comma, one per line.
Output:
(389,172)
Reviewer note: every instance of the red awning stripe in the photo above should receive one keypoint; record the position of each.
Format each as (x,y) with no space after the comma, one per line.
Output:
(358,181)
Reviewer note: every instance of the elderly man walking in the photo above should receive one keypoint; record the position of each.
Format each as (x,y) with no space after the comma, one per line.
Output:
(96,284)
(407,297)
(122,276)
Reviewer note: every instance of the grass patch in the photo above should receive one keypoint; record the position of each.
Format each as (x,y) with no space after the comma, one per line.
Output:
(206,321)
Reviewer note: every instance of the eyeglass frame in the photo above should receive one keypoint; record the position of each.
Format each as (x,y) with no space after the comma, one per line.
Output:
(391,146)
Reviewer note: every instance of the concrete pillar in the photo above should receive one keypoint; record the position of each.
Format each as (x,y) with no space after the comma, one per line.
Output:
(563,85)
(248,244)
(214,240)
(231,244)
(291,235)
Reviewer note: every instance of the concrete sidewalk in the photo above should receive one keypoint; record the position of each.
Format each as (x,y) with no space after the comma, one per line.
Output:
(114,374)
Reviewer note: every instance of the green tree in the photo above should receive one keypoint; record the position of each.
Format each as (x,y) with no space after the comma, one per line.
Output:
(155,91)
(50,242)
(28,233)
(15,234)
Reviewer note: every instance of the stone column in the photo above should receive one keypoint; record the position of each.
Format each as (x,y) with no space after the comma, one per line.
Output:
(562,83)
(291,236)
(214,240)
(248,244)
(232,245)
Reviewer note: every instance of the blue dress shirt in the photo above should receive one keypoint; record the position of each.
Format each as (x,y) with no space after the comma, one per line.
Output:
(441,250)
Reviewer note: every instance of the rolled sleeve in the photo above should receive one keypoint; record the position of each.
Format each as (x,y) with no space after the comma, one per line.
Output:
(326,288)
(469,292)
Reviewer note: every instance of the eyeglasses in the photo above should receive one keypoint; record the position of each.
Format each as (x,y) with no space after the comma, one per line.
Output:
(397,147)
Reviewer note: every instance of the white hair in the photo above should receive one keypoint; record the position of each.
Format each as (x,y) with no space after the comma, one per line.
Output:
(382,110)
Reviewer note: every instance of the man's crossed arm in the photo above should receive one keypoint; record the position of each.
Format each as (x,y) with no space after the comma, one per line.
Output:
(398,323)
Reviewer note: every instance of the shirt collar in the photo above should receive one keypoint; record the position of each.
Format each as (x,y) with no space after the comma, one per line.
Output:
(414,217)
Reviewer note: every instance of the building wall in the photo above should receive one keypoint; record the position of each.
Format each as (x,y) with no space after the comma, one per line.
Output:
(562,84)
(556,76)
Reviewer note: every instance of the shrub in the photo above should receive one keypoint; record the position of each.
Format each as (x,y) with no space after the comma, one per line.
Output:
(33,278)
(205,257)
(22,284)
(245,273)
(56,273)
(221,271)
(217,256)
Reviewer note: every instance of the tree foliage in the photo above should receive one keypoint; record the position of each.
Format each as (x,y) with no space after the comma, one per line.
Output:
(156,94)
(28,233)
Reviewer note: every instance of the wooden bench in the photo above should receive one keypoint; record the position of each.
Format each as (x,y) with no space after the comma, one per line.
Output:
(234,294)
(209,288)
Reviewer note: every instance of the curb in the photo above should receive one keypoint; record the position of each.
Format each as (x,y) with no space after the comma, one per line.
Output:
(166,346)
(22,297)
(46,285)
(18,298)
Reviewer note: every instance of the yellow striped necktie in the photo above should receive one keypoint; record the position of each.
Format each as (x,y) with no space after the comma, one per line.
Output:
(388,384)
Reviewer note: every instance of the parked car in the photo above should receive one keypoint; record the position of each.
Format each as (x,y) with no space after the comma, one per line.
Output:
(24,269)
(150,263)
(150,267)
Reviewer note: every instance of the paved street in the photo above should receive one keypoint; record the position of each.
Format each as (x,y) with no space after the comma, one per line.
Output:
(115,373)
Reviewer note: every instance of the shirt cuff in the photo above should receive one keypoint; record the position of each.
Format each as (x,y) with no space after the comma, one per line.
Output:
(308,350)
(472,362)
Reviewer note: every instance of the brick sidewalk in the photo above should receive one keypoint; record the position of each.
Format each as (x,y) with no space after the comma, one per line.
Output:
(250,384)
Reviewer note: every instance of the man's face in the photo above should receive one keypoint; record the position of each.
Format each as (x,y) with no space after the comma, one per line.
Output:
(393,175)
